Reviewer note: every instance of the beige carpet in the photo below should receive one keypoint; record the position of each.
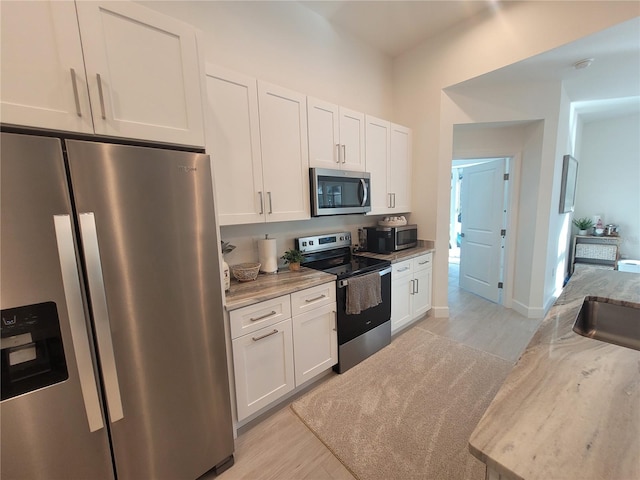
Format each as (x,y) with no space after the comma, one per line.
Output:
(408,411)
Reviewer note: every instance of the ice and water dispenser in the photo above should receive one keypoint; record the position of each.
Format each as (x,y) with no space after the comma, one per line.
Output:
(32,350)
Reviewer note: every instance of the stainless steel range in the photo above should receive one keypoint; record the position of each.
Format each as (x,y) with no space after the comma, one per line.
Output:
(360,334)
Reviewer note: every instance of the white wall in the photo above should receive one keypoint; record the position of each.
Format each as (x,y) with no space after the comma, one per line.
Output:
(285,43)
(487,42)
(289,45)
(608,152)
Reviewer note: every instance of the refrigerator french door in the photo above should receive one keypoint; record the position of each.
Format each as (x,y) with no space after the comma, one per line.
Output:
(113,351)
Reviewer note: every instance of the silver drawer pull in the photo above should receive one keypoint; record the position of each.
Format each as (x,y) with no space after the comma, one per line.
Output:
(255,339)
(403,269)
(262,317)
(315,299)
(422,263)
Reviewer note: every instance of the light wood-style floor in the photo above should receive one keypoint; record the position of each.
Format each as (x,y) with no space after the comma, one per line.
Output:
(281,446)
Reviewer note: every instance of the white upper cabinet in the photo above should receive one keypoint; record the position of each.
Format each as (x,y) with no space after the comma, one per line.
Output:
(126,72)
(378,151)
(143,73)
(285,153)
(233,142)
(399,181)
(336,136)
(388,159)
(43,80)
(257,139)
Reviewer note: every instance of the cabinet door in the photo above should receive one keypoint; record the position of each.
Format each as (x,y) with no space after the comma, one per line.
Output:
(324,134)
(352,140)
(285,154)
(233,141)
(316,342)
(399,169)
(422,292)
(263,367)
(401,296)
(377,137)
(43,79)
(143,73)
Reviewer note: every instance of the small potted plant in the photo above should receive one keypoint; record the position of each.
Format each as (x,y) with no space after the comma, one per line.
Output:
(583,225)
(292,257)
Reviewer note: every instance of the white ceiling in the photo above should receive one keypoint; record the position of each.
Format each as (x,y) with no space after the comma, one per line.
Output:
(610,86)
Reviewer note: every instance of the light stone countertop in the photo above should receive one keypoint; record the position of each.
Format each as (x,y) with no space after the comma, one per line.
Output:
(424,246)
(570,408)
(268,286)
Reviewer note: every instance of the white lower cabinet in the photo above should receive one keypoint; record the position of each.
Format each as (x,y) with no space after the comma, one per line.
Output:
(410,290)
(281,343)
(316,342)
(263,366)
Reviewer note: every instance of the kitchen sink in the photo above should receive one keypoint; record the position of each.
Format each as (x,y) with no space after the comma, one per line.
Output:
(609,320)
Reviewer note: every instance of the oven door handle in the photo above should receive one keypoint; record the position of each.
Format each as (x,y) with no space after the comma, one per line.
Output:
(344,283)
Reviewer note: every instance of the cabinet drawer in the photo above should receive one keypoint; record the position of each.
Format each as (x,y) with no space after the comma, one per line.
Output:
(254,317)
(422,262)
(401,269)
(313,297)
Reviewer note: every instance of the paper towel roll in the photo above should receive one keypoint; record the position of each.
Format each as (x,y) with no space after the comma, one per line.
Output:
(267,255)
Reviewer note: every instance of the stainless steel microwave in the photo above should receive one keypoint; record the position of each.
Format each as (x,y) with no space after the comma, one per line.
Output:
(339,192)
(391,239)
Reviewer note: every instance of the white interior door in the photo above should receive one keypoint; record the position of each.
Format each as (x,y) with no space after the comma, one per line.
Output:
(482,204)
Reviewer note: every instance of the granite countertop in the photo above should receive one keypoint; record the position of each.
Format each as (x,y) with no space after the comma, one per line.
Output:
(570,408)
(268,286)
(424,246)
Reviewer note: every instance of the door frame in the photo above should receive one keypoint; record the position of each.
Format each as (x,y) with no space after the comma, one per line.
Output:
(514,168)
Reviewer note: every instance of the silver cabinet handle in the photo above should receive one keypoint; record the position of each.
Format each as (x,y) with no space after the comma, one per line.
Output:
(104,115)
(255,339)
(262,317)
(101,314)
(77,323)
(412,287)
(389,202)
(423,263)
(261,203)
(315,299)
(394,200)
(417,286)
(76,97)
(338,153)
(404,269)
(270,202)
(344,153)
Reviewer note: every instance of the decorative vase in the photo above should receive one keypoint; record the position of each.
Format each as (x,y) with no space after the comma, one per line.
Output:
(294,267)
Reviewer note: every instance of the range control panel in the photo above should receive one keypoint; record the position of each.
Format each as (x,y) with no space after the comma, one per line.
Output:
(320,243)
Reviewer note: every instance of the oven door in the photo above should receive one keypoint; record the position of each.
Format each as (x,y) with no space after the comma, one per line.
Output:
(352,326)
(339,192)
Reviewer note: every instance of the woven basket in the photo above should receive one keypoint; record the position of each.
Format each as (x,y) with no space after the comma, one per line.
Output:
(245,272)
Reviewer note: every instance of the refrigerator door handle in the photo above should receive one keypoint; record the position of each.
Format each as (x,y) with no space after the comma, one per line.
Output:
(79,333)
(101,315)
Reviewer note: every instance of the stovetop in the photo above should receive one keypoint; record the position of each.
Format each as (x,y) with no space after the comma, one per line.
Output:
(358,266)
(331,253)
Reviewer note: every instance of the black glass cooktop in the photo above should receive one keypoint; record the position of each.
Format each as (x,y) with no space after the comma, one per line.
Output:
(343,264)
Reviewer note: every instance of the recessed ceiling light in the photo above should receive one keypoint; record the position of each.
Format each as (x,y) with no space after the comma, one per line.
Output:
(585,63)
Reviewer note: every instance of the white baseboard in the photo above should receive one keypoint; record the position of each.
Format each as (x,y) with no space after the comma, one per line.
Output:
(441,312)
(529,312)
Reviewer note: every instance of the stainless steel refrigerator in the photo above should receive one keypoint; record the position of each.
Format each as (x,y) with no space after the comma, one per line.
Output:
(113,350)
